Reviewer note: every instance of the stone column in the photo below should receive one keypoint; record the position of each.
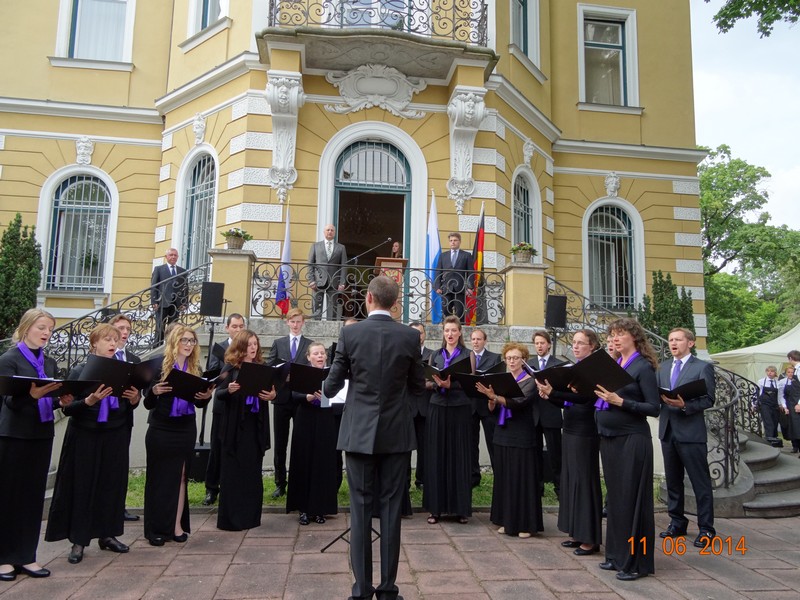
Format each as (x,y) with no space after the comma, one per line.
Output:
(234,268)
(525,294)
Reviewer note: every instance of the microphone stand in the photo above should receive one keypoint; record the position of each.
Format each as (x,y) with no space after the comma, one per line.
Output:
(355,258)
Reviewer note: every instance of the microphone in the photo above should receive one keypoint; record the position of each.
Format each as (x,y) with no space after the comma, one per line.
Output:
(388,239)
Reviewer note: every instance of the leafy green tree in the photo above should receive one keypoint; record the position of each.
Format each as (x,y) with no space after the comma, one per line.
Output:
(768,12)
(20,273)
(667,309)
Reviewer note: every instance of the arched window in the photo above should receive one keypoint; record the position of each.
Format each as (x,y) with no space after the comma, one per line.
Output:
(373,165)
(611,258)
(522,230)
(198,217)
(76,257)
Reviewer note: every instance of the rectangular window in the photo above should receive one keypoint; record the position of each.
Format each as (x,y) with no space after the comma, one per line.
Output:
(519,24)
(97,29)
(604,60)
(210,13)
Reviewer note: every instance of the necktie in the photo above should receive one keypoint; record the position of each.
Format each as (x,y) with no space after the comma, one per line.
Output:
(294,347)
(477,360)
(676,372)
(172,271)
(453,257)
(329,249)
(542,364)
(119,355)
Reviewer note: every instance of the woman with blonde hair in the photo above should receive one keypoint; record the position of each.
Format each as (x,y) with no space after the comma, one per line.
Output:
(169,442)
(245,439)
(26,441)
(92,481)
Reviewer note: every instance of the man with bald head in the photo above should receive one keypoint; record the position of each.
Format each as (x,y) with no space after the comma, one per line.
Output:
(327,273)
(169,293)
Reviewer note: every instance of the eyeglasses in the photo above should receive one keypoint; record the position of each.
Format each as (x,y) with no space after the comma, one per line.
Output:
(577,343)
(510,358)
(188,341)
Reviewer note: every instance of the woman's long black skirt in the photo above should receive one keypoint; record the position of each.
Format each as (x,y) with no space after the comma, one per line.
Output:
(241,480)
(447,487)
(91,484)
(313,484)
(630,527)
(580,510)
(169,452)
(23,471)
(516,503)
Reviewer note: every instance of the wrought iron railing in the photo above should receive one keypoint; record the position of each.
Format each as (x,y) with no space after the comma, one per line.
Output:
(69,343)
(460,20)
(723,438)
(747,416)
(415,293)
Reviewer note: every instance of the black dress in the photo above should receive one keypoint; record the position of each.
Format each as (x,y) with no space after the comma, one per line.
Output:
(791,395)
(580,505)
(516,503)
(245,439)
(92,480)
(25,446)
(169,443)
(447,486)
(626,449)
(313,484)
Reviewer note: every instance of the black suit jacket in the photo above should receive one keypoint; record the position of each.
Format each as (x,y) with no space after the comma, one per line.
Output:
(687,425)
(168,291)
(419,404)
(488,360)
(545,414)
(281,352)
(133,359)
(453,278)
(381,358)
(215,363)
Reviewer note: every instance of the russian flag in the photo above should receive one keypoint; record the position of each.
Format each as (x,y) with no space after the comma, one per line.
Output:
(282,295)
(433,249)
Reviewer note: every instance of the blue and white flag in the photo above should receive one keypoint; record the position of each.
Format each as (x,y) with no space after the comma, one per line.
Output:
(433,250)
(282,294)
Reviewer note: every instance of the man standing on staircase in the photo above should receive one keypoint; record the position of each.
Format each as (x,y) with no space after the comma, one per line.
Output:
(682,431)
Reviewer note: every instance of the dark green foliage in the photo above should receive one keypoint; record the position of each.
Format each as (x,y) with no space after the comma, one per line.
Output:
(768,12)
(20,273)
(667,309)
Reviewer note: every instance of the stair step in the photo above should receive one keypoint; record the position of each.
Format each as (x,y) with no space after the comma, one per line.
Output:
(760,456)
(777,504)
(783,476)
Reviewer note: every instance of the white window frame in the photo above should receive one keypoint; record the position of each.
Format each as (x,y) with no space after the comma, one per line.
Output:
(532,52)
(195,16)
(181,186)
(535,199)
(64,31)
(626,16)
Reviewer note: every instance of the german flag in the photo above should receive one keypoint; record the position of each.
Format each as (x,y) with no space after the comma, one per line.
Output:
(477,268)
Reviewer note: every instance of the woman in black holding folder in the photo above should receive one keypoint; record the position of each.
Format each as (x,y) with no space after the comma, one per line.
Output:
(26,441)
(516,503)
(627,452)
(169,442)
(92,480)
(245,439)
(448,481)
(313,484)
(580,506)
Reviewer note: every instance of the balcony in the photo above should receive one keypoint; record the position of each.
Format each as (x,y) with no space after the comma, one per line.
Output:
(421,38)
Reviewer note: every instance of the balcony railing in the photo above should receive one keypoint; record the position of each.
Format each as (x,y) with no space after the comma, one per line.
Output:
(459,20)
(414,303)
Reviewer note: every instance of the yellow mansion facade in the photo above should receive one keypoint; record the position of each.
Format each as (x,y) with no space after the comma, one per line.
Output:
(131,126)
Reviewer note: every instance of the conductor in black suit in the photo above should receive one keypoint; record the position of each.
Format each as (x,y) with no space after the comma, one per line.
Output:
(327,273)
(682,430)
(547,416)
(381,357)
(291,348)
(169,294)
(484,360)
(452,276)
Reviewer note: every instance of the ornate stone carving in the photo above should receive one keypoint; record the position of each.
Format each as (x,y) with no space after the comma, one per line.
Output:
(199,129)
(285,96)
(466,111)
(375,85)
(84,147)
(612,182)
(528,149)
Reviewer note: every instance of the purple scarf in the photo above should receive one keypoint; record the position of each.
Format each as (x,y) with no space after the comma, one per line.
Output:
(37,362)
(505,412)
(180,407)
(601,404)
(447,361)
(106,404)
(252,402)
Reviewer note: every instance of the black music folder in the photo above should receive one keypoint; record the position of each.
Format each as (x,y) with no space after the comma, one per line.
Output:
(599,369)
(503,384)
(255,377)
(118,374)
(306,379)
(185,385)
(687,391)
(463,365)
(498,368)
(560,377)
(19,385)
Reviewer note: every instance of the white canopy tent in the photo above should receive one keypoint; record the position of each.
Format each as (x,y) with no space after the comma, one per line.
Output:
(750,362)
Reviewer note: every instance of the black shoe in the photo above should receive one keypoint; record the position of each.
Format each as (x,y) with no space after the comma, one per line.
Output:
(570,544)
(130,517)
(75,555)
(583,552)
(180,538)
(608,566)
(113,544)
(630,575)
(672,532)
(8,576)
(211,497)
(319,519)
(279,491)
(303,519)
(704,539)
(156,540)
(38,573)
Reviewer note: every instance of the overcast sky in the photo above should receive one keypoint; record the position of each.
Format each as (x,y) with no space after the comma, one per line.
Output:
(747,95)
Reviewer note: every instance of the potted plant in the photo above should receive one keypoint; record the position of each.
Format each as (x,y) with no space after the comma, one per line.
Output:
(522,252)
(236,237)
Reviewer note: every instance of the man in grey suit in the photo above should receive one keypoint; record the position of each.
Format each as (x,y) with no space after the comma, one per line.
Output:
(327,273)
(169,293)
(381,358)
(682,431)
(452,278)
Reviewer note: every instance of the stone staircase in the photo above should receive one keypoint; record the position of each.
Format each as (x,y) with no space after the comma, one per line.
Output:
(776,479)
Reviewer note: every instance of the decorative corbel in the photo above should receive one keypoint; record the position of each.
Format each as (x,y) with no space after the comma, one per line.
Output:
(466,111)
(84,147)
(612,183)
(285,96)
(528,150)
(199,129)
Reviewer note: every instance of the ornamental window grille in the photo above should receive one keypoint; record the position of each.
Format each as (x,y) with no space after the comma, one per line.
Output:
(522,230)
(199,212)
(373,165)
(611,258)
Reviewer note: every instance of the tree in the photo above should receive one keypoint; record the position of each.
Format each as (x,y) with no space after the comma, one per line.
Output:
(769,12)
(20,273)
(667,309)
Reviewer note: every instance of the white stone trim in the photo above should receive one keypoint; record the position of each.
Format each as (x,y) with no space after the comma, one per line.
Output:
(524,107)
(701,332)
(2,142)
(263,213)
(700,320)
(686,187)
(233,214)
(526,62)
(179,206)
(534,236)
(162,203)
(83,63)
(252,140)
(683,213)
(549,224)
(489,190)
(698,292)
(489,156)
(206,34)
(268,249)
(626,174)
(549,196)
(254,103)
(609,108)
(160,234)
(688,266)
(489,259)
(166,142)
(688,239)
(164,172)
(58,135)
(550,252)
(80,111)
(690,155)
